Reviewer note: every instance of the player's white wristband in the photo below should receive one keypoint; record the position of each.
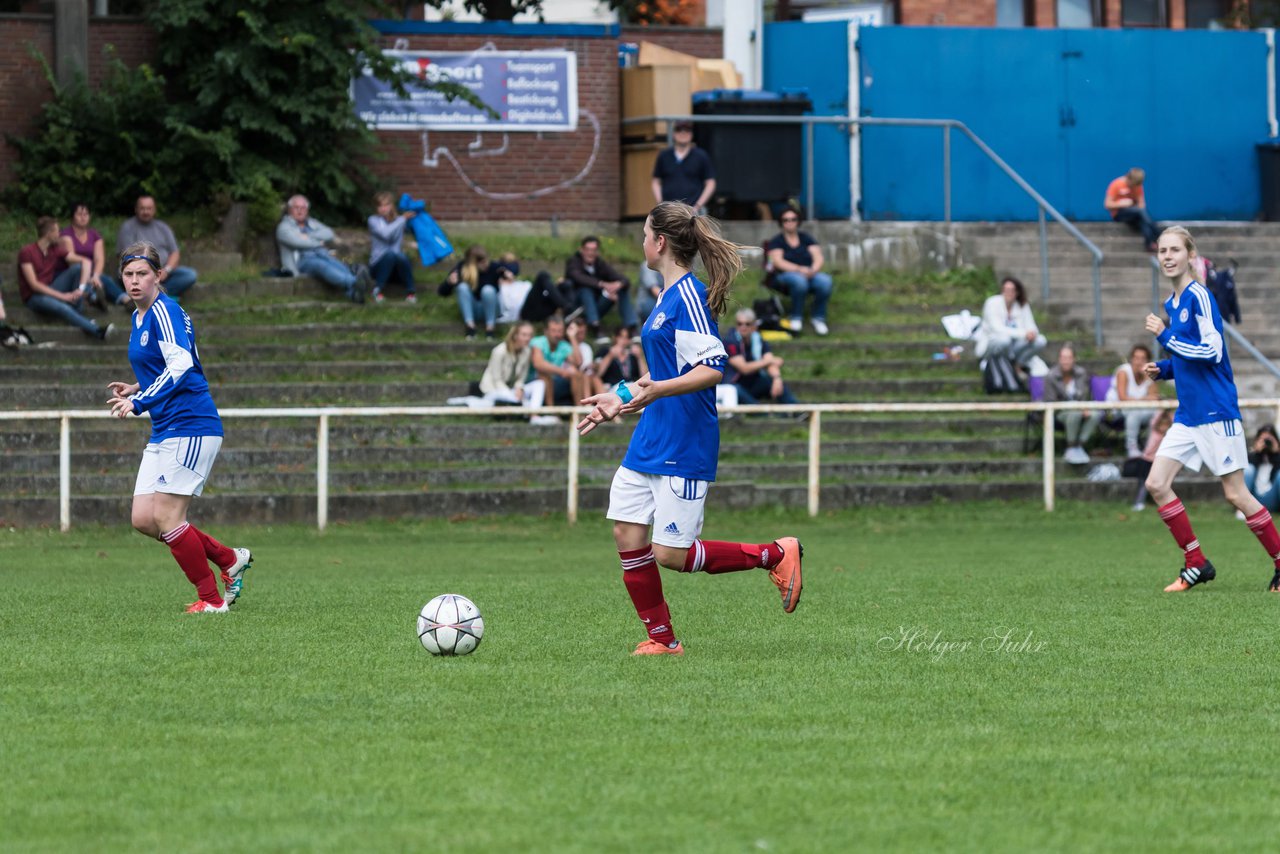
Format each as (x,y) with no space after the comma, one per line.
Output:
(623,392)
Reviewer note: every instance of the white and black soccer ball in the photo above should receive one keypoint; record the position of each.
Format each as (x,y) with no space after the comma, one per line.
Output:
(450,625)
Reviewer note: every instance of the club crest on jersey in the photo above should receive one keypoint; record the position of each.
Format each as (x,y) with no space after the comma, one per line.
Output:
(1182,316)
(146,335)
(659,320)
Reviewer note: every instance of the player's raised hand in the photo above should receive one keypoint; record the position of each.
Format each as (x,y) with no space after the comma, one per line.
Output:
(607,406)
(1152,370)
(122,407)
(1154,324)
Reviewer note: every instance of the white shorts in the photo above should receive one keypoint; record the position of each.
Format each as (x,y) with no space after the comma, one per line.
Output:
(673,505)
(1219,446)
(177,466)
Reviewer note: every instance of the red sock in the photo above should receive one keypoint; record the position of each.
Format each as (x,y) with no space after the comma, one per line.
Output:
(1265,530)
(188,551)
(215,551)
(644,584)
(714,557)
(1175,516)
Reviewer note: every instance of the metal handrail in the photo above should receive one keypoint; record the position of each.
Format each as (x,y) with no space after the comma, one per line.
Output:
(1234,334)
(1042,204)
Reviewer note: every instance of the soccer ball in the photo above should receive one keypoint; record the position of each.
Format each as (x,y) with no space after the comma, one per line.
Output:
(450,625)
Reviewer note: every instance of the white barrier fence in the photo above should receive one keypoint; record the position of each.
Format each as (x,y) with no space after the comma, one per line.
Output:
(325,414)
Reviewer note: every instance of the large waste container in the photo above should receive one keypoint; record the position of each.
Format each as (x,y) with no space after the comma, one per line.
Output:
(1269,161)
(754,162)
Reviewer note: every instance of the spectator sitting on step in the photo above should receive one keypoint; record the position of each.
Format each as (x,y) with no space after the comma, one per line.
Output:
(753,369)
(387,260)
(504,379)
(143,227)
(554,362)
(47,291)
(1130,382)
(1139,467)
(474,278)
(599,286)
(622,360)
(8,335)
(1126,202)
(1068,381)
(79,239)
(302,240)
(797,259)
(1008,327)
(584,383)
(1262,473)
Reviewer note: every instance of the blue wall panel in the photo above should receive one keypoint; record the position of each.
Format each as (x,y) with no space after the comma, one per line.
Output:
(815,57)
(1069,110)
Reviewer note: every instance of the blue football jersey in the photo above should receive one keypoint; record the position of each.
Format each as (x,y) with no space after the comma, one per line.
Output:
(162,351)
(679,435)
(1198,360)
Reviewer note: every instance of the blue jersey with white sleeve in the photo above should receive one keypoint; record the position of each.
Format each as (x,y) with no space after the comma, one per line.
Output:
(162,351)
(1198,360)
(679,435)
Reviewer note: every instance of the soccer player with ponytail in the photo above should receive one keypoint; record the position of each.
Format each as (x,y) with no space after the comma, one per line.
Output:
(671,461)
(186,432)
(1206,429)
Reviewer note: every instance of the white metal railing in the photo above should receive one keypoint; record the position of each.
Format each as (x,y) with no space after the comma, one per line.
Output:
(325,414)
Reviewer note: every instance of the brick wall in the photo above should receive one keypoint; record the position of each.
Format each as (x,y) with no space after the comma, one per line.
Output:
(572,175)
(702,42)
(949,13)
(23,88)
(539,175)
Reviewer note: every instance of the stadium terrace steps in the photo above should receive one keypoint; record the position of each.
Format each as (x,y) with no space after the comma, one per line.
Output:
(296,343)
(1126,280)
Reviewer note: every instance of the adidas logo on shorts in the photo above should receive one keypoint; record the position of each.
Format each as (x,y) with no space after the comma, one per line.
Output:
(671,529)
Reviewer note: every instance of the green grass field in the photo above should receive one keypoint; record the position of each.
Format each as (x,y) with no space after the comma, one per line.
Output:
(1047,695)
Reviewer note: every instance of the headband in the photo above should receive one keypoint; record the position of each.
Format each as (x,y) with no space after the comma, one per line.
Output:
(152,264)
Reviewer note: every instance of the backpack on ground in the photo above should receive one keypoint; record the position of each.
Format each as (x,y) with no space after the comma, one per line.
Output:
(999,377)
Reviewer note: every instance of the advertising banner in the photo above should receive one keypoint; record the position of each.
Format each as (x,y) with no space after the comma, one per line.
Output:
(529,90)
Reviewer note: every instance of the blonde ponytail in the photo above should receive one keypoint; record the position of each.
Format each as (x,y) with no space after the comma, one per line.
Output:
(690,235)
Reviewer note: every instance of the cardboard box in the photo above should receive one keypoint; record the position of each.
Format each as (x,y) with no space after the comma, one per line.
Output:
(637,178)
(654,90)
(656,54)
(716,74)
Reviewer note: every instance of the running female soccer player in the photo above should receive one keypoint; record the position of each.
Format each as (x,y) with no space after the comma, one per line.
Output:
(671,461)
(186,431)
(1207,426)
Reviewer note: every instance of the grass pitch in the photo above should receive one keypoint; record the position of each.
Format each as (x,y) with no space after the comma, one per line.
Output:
(964,677)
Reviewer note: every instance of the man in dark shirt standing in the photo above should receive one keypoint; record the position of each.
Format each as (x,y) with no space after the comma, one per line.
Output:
(683,172)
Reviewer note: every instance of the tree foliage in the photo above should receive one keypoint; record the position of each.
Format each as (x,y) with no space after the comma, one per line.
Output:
(100,147)
(495,10)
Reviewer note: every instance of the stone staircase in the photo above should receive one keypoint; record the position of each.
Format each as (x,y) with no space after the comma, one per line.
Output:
(1014,248)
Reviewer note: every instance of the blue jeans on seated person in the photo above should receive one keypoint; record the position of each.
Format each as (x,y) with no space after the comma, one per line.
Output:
(1268,498)
(178,281)
(112,289)
(326,268)
(65,282)
(755,388)
(594,304)
(1139,219)
(392,265)
(819,285)
(467,305)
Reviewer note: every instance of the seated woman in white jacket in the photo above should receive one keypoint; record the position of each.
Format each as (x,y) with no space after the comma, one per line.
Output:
(1008,327)
(504,377)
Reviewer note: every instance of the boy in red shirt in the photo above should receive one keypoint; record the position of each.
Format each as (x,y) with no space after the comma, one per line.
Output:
(1126,203)
(49,279)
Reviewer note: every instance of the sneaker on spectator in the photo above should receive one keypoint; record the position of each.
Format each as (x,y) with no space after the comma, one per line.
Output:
(378,297)
(820,326)
(796,326)
(411,299)
(105,332)
(469,333)
(544,420)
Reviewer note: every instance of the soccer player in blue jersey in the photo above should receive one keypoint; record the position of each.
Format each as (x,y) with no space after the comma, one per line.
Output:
(663,480)
(1206,428)
(186,431)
